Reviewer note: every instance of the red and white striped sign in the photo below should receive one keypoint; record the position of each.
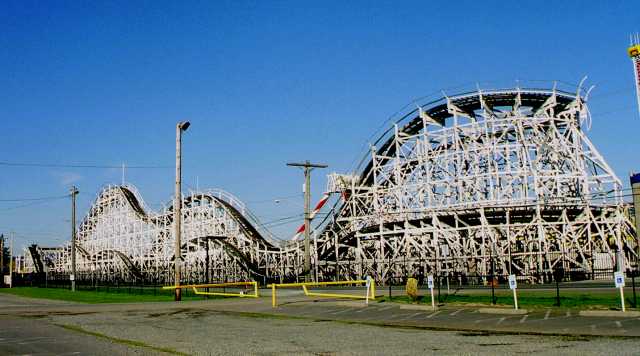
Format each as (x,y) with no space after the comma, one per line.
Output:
(315,211)
(636,62)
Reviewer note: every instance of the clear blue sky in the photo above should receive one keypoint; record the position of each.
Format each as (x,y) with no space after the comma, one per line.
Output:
(264,83)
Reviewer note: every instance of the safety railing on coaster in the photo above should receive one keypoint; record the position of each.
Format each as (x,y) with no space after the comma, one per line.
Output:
(240,294)
(368,282)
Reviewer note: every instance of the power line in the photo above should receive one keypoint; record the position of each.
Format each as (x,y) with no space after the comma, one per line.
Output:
(61,165)
(35,199)
(27,205)
(284,223)
(292,217)
(288,197)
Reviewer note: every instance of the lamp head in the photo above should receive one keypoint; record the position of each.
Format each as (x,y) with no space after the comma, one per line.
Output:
(184,125)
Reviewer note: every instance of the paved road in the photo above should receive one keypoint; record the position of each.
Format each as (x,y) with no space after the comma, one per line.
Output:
(301,326)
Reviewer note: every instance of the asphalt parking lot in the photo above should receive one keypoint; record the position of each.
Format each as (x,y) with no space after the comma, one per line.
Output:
(541,321)
(301,326)
(29,336)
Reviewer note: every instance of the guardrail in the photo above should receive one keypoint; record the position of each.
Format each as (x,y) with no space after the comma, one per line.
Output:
(240,294)
(369,283)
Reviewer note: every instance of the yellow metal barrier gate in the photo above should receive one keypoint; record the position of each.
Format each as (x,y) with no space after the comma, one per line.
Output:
(221,285)
(370,293)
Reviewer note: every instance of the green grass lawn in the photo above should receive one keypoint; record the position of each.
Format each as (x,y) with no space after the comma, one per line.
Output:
(526,298)
(93,297)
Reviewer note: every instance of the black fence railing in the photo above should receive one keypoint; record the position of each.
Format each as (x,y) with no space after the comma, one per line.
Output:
(449,286)
(384,276)
(134,288)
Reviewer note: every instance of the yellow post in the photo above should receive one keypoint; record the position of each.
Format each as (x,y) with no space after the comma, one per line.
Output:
(373,289)
(370,294)
(273,295)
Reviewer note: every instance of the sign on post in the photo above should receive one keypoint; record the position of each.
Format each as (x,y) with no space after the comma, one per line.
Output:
(513,285)
(619,280)
(430,285)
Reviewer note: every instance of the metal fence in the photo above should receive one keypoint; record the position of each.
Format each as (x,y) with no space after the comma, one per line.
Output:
(552,287)
(556,290)
(62,281)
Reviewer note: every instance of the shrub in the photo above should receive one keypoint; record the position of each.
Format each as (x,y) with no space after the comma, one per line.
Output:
(412,289)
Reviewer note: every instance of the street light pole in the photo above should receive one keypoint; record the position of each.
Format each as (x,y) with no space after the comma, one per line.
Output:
(74,192)
(11,261)
(308,166)
(177,207)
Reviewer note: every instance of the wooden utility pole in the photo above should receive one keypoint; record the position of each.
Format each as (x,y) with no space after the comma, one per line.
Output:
(308,166)
(74,192)
(177,208)
(1,260)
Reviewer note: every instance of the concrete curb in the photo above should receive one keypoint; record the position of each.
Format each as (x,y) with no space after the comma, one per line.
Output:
(610,313)
(417,307)
(502,311)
